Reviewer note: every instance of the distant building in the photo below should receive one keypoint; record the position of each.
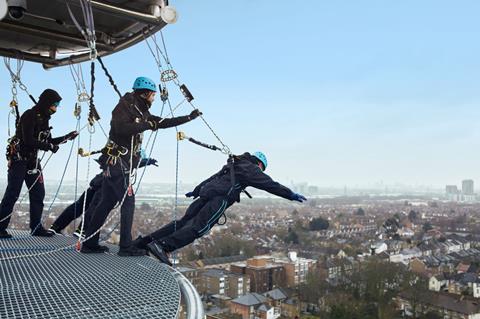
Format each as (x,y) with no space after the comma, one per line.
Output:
(452,193)
(378,248)
(261,306)
(265,274)
(191,274)
(223,283)
(301,188)
(296,268)
(451,189)
(467,187)
(449,305)
(247,305)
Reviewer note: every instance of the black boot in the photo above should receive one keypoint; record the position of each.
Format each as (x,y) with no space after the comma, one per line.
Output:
(79,233)
(141,242)
(4,234)
(42,232)
(131,251)
(157,250)
(55,229)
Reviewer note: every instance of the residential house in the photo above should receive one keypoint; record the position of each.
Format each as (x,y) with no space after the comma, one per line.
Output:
(449,305)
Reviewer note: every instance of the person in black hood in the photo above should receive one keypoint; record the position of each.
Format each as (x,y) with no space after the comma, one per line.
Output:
(130,118)
(32,134)
(214,196)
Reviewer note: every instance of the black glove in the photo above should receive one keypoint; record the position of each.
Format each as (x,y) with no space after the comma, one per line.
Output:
(151,161)
(298,197)
(53,148)
(195,113)
(71,136)
(147,161)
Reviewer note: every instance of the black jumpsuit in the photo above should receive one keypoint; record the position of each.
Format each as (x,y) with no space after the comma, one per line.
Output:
(130,118)
(90,198)
(75,210)
(216,194)
(32,134)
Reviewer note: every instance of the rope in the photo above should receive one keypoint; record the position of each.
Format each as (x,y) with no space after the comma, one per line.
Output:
(58,188)
(225,148)
(76,177)
(82,96)
(93,114)
(15,76)
(77,76)
(110,79)
(89,32)
(16,79)
(87,184)
(150,153)
(175,208)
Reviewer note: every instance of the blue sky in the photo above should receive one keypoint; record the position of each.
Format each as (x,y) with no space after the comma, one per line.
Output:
(334,92)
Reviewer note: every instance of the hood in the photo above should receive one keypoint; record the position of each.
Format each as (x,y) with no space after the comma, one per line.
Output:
(46,99)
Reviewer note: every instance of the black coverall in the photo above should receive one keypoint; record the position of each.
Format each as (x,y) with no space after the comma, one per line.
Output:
(75,210)
(130,118)
(32,134)
(93,196)
(216,194)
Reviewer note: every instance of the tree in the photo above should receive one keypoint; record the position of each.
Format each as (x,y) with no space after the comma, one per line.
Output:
(427,226)
(412,215)
(236,228)
(415,287)
(341,311)
(312,289)
(391,226)
(145,207)
(319,223)
(360,212)
(292,237)
(229,245)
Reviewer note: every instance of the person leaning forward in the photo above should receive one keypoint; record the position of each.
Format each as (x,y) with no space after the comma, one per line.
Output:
(130,118)
(213,197)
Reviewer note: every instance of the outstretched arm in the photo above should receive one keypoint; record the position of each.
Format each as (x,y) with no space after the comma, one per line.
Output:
(62,139)
(176,121)
(260,180)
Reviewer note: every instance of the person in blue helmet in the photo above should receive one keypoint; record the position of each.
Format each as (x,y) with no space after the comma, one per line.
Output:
(213,196)
(120,157)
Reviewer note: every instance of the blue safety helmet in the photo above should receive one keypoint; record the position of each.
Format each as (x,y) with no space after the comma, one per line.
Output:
(143,83)
(262,158)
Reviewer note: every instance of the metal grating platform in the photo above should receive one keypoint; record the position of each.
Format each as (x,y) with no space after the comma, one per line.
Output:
(68,284)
